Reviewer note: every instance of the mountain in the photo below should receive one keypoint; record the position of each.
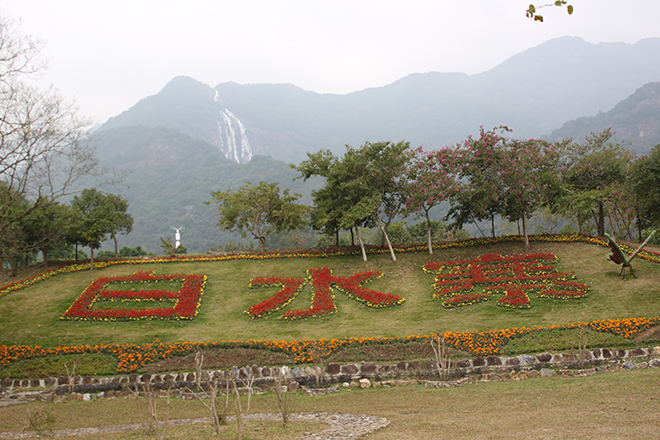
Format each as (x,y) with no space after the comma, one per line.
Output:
(532,92)
(170,176)
(191,139)
(636,119)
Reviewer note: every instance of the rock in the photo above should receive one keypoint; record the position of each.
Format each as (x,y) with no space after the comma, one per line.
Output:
(368,368)
(345,384)
(349,369)
(333,369)
(534,373)
(493,360)
(637,352)
(293,386)
(354,384)
(365,383)
(655,363)
(6,382)
(479,361)
(547,372)
(512,362)
(544,357)
(627,365)
(642,365)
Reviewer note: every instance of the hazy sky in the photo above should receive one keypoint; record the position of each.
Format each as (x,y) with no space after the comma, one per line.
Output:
(110,54)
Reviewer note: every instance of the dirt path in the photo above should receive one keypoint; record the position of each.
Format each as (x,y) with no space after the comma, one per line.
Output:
(342,426)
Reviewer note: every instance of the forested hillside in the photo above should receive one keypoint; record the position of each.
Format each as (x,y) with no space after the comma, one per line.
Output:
(635,120)
(169,178)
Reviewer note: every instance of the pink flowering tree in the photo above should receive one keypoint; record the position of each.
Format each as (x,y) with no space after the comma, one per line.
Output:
(529,171)
(431,179)
(480,170)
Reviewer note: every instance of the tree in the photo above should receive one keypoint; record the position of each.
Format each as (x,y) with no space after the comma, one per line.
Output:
(594,179)
(531,11)
(528,169)
(431,179)
(44,229)
(95,216)
(42,142)
(259,210)
(479,169)
(121,221)
(504,176)
(645,184)
(364,187)
(378,175)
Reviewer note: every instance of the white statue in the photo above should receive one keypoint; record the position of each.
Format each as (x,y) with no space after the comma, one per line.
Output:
(177,236)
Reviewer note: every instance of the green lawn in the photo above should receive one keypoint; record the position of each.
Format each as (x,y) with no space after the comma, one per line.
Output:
(31,316)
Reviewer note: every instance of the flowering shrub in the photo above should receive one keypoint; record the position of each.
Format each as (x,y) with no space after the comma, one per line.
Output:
(186,299)
(131,357)
(515,277)
(322,280)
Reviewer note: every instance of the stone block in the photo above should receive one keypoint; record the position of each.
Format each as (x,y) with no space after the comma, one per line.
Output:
(544,357)
(493,360)
(637,352)
(333,369)
(349,369)
(479,361)
(365,383)
(368,368)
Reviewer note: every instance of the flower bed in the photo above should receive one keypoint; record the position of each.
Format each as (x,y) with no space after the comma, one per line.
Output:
(550,238)
(321,280)
(186,300)
(132,357)
(515,277)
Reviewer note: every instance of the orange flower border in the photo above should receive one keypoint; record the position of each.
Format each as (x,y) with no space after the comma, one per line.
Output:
(132,357)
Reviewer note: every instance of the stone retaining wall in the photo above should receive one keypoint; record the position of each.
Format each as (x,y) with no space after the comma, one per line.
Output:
(336,373)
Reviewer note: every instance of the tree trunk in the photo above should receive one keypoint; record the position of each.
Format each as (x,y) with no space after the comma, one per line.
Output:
(524,226)
(639,228)
(492,224)
(387,238)
(114,237)
(45,252)
(601,220)
(91,260)
(364,252)
(428,232)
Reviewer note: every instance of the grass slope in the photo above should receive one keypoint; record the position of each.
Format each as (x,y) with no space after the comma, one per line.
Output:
(31,316)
